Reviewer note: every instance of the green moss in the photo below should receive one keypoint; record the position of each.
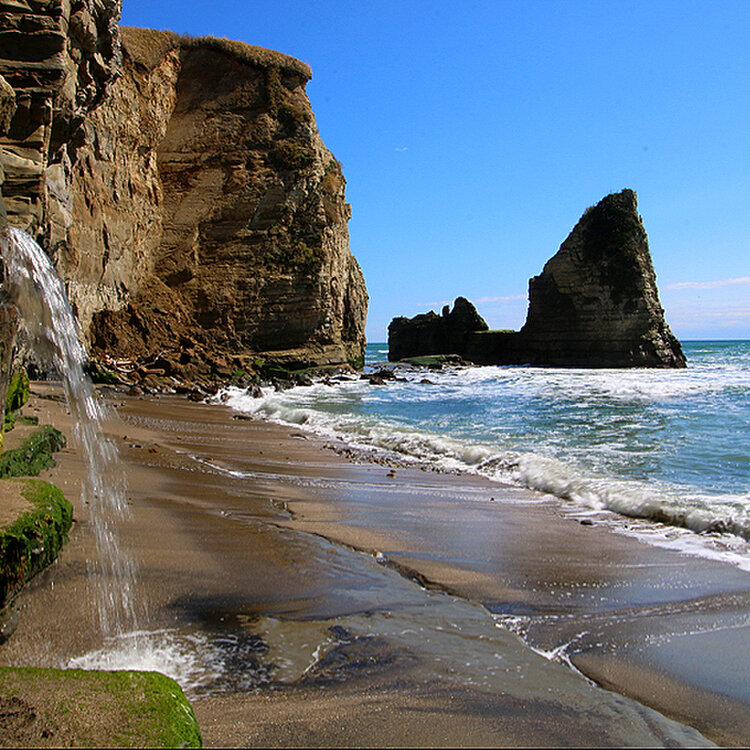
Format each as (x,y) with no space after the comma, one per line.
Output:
(33,540)
(115,709)
(18,390)
(100,374)
(357,362)
(34,455)
(295,256)
(613,236)
(16,396)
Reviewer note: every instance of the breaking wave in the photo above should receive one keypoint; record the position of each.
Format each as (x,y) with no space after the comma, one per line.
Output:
(671,447)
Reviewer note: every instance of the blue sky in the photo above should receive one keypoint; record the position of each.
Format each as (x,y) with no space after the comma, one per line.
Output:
(473,135)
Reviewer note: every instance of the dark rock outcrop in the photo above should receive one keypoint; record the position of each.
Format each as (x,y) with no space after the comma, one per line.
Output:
(594,305)
(596,301)
(182,189)
(434,334)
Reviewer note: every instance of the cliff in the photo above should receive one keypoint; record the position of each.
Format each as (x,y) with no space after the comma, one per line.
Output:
(203,221)
(595,304)
(58,59)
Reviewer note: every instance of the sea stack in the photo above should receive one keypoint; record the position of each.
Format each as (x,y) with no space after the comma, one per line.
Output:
(595,304)
(434,334)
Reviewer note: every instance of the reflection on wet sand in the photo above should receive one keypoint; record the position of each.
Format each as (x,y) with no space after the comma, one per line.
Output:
(280,577)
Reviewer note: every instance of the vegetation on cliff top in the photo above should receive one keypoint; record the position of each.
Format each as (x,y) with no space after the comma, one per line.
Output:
(148,47)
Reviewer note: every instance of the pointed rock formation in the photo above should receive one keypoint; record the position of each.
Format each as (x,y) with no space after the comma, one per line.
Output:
(595,304)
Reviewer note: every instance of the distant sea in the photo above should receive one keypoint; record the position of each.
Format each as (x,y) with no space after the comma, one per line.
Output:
(660,454)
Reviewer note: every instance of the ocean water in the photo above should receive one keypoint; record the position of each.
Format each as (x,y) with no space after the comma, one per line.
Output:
(662,454)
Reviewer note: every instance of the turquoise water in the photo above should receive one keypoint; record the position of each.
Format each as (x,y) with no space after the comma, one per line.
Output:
(671,446)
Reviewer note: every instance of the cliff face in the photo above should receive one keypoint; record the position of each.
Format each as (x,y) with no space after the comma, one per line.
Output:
(220,214)
(183,191)
(60,58)
(595,304)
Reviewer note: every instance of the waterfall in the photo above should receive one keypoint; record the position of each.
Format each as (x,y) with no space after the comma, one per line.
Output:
(35,288)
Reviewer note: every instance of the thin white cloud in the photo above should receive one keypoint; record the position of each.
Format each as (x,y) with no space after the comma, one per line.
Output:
(401,148)
(480,301)
(510,298)
(719,316)
(742,280)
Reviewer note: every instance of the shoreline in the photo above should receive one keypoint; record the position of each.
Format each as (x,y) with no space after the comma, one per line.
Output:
(267,539)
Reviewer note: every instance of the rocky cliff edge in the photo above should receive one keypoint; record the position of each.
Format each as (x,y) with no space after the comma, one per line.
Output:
(183,191)
(219,216)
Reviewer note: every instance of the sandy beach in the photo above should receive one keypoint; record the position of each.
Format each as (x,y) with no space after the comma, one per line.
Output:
(318,601)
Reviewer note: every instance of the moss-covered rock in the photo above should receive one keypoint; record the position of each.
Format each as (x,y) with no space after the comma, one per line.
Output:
(18,390)
(15,397)
(34,455)
(73,707)
(31,542)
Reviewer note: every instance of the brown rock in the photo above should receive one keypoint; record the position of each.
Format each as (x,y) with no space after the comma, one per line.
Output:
(189,200)
(60,58)
(7,106)
(207,188)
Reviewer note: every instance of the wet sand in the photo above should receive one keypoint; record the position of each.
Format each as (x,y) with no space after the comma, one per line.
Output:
(319,602)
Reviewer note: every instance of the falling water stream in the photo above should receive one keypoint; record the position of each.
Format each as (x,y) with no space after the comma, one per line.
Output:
(36,290)
(33,286)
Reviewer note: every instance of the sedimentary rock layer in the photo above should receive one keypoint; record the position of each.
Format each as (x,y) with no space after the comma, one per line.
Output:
(595,304)
(221,215)
(182,189)
(60,59)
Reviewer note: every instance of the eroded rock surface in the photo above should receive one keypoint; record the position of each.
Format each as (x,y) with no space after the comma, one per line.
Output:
(595,304)
(182,189)
(222,214)
(430,333)
(60,58)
